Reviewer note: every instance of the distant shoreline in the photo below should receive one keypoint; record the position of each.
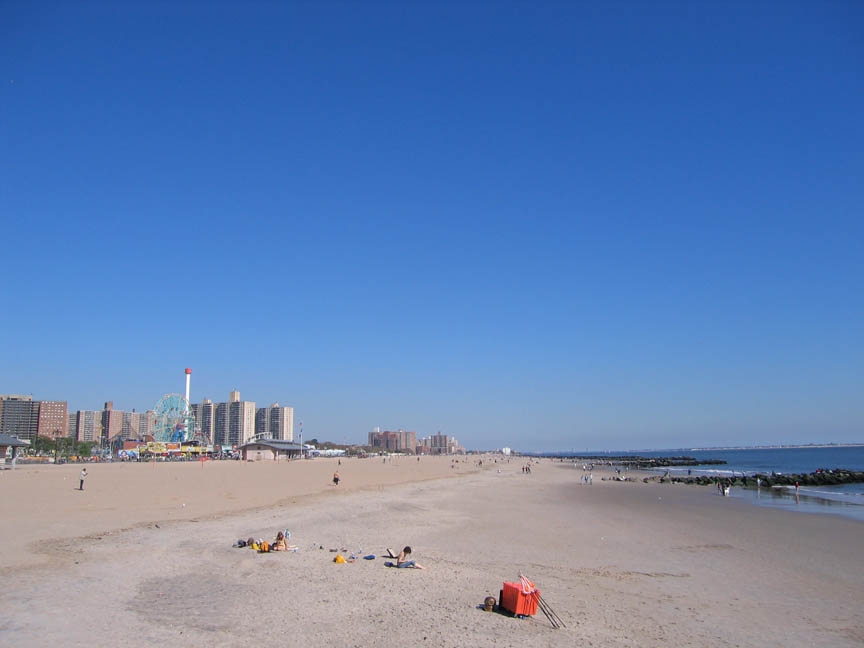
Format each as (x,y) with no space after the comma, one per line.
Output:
(782,447)
(575,453)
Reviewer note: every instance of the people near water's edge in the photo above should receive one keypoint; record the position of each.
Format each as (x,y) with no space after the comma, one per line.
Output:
(336,478)
(82,477)
(403,562)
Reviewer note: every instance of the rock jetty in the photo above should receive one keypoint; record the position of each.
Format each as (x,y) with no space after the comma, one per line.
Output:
(643,463)
(818,478)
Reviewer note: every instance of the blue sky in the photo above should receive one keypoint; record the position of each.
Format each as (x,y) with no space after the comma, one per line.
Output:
(573,225)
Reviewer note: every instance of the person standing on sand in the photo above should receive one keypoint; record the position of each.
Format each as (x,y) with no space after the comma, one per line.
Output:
(82,477)
(336,478)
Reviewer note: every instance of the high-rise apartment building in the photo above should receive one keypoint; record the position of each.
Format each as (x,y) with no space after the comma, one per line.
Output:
(19,416)
(136,425)
(72,425)
(407,440)
(88,426)
(399,441)
(52,419)
(234,421)
(275,422)
(205,419)
(112,423)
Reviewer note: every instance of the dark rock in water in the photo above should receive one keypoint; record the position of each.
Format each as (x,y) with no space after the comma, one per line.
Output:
(644,463)
(818,478)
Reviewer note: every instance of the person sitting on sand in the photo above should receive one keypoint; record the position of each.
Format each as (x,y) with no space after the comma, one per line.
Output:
(403,562)
(279,543)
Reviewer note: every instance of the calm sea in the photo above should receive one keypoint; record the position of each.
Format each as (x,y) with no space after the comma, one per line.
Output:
(845,500)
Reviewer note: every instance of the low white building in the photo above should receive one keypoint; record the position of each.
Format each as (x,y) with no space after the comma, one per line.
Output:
(270,450)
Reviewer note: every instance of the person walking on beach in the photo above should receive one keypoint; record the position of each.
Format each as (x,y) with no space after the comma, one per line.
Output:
(82,477)
(336,478)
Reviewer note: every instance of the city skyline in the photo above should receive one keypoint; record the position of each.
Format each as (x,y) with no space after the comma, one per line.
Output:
(592,225)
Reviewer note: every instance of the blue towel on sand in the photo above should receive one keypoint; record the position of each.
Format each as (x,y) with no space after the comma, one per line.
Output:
(369,557)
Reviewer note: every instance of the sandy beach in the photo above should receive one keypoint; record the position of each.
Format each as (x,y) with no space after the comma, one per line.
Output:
(624,564)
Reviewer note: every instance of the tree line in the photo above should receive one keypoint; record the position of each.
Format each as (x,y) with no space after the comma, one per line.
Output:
(61,447)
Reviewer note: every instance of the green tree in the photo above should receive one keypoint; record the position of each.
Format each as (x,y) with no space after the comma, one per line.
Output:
(42,445)
(64,446)
(85,448)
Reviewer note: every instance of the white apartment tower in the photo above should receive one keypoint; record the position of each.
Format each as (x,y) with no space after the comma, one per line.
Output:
(234,421)
(89,425)
(275,422)
(136,425)
(205,419)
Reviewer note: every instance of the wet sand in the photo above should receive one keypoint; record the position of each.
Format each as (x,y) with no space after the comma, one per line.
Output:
(624,564)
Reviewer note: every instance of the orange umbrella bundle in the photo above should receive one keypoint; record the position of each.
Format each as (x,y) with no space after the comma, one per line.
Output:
(520,598)
(523,599)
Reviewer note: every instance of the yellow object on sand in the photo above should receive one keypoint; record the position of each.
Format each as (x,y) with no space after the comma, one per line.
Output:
(338,559)
(255,546)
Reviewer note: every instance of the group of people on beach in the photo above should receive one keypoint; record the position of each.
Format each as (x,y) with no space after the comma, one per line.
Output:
(526,469)
(262,546)
(280,543)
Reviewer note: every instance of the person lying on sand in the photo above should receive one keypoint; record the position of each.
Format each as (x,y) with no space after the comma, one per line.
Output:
(402,560)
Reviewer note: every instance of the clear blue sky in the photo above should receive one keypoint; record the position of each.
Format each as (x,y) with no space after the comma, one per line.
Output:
(579,224)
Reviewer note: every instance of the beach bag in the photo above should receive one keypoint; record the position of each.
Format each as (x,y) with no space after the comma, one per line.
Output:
(265,547)
(339,559)
(254,546)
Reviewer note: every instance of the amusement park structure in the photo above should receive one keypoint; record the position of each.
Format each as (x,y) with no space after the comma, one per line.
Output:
(174,420)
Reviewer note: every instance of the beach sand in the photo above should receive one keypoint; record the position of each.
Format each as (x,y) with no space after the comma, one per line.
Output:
(624,564)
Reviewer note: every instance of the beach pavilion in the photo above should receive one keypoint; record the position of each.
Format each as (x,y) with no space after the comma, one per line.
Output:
(270,450)
(8,441)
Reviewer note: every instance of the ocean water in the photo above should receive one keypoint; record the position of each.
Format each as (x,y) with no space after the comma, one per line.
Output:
(846,500)
(781,460)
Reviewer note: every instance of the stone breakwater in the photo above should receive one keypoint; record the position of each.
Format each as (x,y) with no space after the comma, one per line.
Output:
(818,478)
(642,463)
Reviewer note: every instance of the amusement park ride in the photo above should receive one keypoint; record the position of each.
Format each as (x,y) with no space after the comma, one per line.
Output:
(173,420)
